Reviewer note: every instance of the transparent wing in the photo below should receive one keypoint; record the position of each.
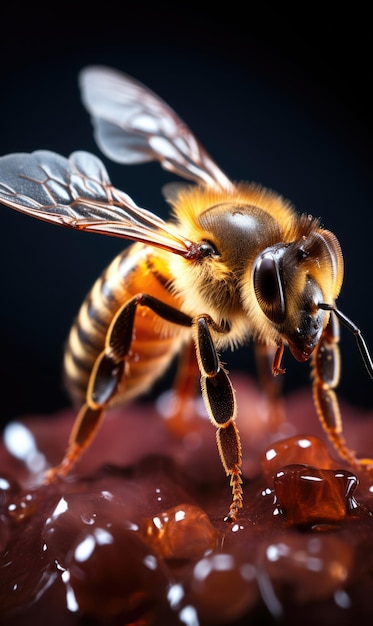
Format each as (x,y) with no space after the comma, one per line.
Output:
(77,193)
(134,125)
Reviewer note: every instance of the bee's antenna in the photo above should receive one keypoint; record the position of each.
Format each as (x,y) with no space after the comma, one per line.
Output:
(363,348)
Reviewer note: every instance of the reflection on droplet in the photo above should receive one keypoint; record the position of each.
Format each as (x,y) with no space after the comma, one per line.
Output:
(342,599)
(71,603)
(84,549)
(175,594)
(150,561)
(4,484)
(21,443)
(275,551)
(61,508)
(188,616)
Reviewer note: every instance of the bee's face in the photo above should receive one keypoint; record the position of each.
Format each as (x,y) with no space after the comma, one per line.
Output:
(290,282)
(273,273)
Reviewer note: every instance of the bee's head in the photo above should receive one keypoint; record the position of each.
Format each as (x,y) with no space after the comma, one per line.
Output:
(291,280)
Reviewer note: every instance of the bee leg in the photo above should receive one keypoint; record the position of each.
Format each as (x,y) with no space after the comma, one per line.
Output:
(326,373)
(84,429)
(268,362)
(219,398)
(184,392)
(106,375)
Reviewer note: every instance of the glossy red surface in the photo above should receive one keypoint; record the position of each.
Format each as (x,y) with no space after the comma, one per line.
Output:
(136,534)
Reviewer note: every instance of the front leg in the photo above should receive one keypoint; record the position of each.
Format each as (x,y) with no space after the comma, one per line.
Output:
(220,402)
(326,373)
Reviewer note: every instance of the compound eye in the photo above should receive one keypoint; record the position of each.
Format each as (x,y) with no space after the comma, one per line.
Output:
(268,288)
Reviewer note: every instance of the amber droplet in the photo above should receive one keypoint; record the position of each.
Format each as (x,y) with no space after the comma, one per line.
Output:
(114,575)
(76,513)
(298,568)
(308,495)
(19,509)
(182,532)
(223,586)
(16,504)
(5,531)
(308,450)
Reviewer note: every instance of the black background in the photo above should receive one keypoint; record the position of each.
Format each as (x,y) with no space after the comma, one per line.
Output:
(278,98)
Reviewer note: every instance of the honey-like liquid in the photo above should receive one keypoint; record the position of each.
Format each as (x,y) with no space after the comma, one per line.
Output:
(144,542)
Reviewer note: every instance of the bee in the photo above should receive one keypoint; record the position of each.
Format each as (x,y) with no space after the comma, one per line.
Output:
(235,262)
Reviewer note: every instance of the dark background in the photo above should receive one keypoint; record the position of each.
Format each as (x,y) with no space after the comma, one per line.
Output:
(281,99)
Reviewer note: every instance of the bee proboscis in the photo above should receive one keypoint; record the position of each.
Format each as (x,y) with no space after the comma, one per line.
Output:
(235,262)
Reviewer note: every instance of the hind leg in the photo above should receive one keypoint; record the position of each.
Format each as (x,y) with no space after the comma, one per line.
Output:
(106,375)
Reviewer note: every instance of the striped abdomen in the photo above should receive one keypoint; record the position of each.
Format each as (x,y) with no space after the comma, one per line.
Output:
(139,269)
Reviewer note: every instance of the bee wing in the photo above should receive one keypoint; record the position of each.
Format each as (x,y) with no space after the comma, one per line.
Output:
(133,125)
(77,193)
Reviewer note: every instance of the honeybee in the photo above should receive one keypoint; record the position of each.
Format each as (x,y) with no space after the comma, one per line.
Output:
(234,262)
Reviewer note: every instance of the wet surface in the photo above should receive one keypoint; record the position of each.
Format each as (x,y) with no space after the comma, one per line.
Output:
(143,541)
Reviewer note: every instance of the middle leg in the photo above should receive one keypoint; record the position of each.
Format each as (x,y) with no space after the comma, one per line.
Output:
(220,402)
